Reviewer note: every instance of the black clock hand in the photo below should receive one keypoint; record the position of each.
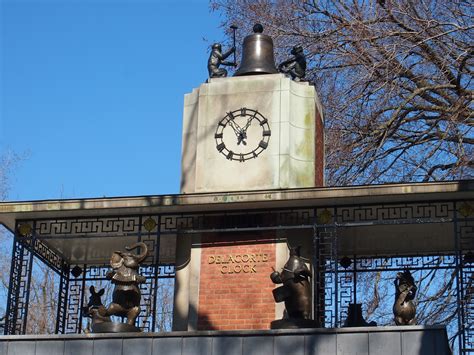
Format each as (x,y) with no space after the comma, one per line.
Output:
(241,138)
(236,130)
(243,131)
(238,127)
(248,123)
(239,132)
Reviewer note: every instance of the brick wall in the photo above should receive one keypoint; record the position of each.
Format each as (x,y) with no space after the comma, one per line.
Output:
(235,289)
(319,150)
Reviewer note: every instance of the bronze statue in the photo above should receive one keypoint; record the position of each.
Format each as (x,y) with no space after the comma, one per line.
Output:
(124,275)
(92,309)
(295,292)
(296,65)
(257,54)
(217,58)
(405,290)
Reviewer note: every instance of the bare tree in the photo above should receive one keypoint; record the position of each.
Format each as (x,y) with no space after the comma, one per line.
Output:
(43,290)
(43,300)
(395,79)
(8,161)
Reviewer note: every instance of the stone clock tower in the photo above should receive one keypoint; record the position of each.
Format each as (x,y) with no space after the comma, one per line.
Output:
(258,130)
(252,132)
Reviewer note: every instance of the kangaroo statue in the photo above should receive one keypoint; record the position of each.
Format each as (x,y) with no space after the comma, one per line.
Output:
(404,309)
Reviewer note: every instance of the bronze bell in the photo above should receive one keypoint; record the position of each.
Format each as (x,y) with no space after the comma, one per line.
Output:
(257,54)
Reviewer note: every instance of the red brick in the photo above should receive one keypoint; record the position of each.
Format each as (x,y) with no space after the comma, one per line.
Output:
(238,300)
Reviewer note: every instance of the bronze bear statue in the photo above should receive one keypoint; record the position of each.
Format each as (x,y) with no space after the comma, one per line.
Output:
(296,289)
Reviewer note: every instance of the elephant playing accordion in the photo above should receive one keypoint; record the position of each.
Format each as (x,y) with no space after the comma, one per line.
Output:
(124,275)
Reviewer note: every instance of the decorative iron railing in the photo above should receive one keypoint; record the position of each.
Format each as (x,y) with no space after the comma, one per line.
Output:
(344,273)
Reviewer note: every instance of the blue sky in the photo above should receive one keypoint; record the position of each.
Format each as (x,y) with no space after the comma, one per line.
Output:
(92,92)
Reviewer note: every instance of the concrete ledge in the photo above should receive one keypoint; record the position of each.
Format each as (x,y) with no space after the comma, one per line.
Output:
(408,340)
(228,201)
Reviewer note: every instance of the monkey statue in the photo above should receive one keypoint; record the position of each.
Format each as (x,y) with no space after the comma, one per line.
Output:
(296,65)
(217,58)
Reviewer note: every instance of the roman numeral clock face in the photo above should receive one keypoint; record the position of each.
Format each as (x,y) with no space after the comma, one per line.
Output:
(242,134)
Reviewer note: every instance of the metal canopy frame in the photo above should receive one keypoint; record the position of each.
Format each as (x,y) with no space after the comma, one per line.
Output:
(338,230)
(75,277)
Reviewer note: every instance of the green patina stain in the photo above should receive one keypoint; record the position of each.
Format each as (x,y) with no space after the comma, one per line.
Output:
(304,176)
(284,171)
(305,149)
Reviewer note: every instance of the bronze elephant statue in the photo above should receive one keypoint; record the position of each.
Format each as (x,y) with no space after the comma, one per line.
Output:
(124,275)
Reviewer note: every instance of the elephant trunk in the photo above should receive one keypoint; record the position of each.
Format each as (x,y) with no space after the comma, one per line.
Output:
(140,257)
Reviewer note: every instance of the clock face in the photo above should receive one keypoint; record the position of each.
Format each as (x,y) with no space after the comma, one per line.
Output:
(242,134)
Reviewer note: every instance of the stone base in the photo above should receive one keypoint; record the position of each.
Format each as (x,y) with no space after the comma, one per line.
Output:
(406,340)
(292,323)
(114,327)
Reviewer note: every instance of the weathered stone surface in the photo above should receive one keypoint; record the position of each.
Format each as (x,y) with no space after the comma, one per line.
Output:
(289,160)
(404,340)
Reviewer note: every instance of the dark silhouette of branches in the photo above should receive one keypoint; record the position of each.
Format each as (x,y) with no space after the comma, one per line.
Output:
(395,79)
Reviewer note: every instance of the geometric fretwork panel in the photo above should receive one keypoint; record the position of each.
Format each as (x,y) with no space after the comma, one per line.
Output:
(73,308)
(58,242)
(397,213)
(465,233)
(88,227)
(325,303)
(467,301)
(208,222)
(370,282)
(126,226)
(18,292)
(357,252)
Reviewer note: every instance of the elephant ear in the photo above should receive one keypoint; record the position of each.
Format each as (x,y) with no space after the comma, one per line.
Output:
(101,292)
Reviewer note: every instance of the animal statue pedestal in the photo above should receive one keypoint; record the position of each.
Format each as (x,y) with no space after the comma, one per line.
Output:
(295,292)
(114,327)
(355,318)
(101,323)
(293,323)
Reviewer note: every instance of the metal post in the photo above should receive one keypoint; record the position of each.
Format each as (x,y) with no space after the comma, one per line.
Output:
(62,299)
(234,28)
(19,288)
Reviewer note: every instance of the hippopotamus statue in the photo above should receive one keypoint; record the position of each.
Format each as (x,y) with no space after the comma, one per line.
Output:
(296,289)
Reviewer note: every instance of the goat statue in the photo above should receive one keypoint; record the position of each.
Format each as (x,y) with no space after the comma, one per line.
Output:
(92,310)
(404,309)
(124,275)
